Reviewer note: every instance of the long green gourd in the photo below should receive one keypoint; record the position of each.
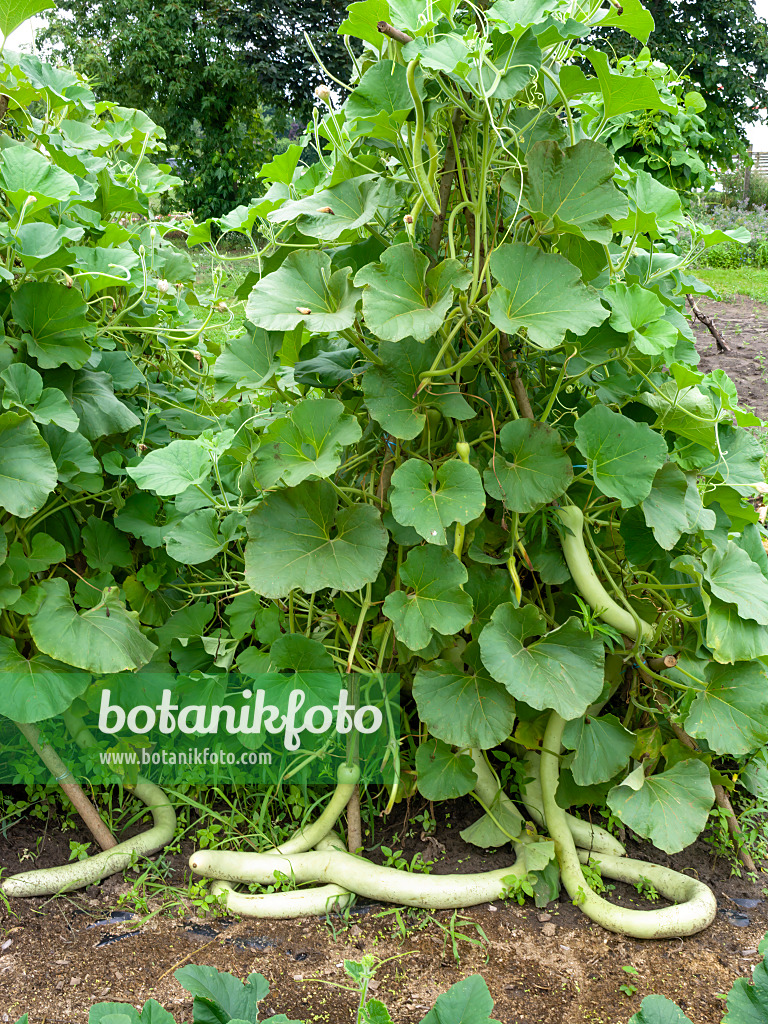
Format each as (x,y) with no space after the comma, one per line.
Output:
(587,582)
(423,179)
(695,907)
(343,872)
(47,881)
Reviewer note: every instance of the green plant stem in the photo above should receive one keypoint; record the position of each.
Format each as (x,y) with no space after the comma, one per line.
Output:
(504,389)
(566,105)
(358,342)
(585,834)
(555,391)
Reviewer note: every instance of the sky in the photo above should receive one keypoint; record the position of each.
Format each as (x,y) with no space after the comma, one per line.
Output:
(757,133)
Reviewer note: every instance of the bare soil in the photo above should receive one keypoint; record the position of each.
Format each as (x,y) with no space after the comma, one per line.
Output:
(744,325)
(59,956)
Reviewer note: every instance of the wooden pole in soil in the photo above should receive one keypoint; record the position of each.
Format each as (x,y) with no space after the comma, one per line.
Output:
(709,323)
(69,786)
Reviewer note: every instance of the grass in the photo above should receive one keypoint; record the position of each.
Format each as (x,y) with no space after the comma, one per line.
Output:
(749,281)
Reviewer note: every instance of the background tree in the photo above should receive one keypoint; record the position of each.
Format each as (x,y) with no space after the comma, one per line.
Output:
(225,80)
(723,48)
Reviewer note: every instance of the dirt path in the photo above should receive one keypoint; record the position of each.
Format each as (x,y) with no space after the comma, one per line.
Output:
(744,323)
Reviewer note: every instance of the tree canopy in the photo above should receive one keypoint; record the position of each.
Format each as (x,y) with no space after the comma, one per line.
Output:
(223,79)
(723,48)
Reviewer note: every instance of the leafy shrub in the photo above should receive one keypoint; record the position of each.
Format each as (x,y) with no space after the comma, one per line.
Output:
(672,143)
(741,215)
(99,316)
(462,436)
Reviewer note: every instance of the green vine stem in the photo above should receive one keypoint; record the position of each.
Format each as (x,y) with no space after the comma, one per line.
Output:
(424,179)
(585,835)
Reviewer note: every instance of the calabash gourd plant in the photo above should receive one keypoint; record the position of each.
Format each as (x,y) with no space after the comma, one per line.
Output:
(463,438)
(499,444)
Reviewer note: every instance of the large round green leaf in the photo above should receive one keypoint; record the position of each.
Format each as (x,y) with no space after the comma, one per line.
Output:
(105,267)
(383,89)
(173,469)
(33,689)
(22,386)
(670,809)
(15,12)
(732,713)
(301,539)
(432,597)
(562,670)
(740,457)
(93,398)
(748,1002)
(27,471)
(25,172)
(195,538)
(543,293)
(520,60)
(603,747)
(431,502)
(658,1009)
(571,190)
(304,289)
(674,507)
(77,466)
(105,547)
(735,578)
(535,471)
(329,212)
(53,319)
(622,94)
(464,707)
(405,300)
(105,638)
(248,361)
(624,456)
(633,18)
(392,391)
(443,774)
(729,635)
(307,443)
(653,207)
(639,312)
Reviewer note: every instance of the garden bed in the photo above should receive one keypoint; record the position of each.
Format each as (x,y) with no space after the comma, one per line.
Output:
(744,324)
(548,966)
(59,956)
